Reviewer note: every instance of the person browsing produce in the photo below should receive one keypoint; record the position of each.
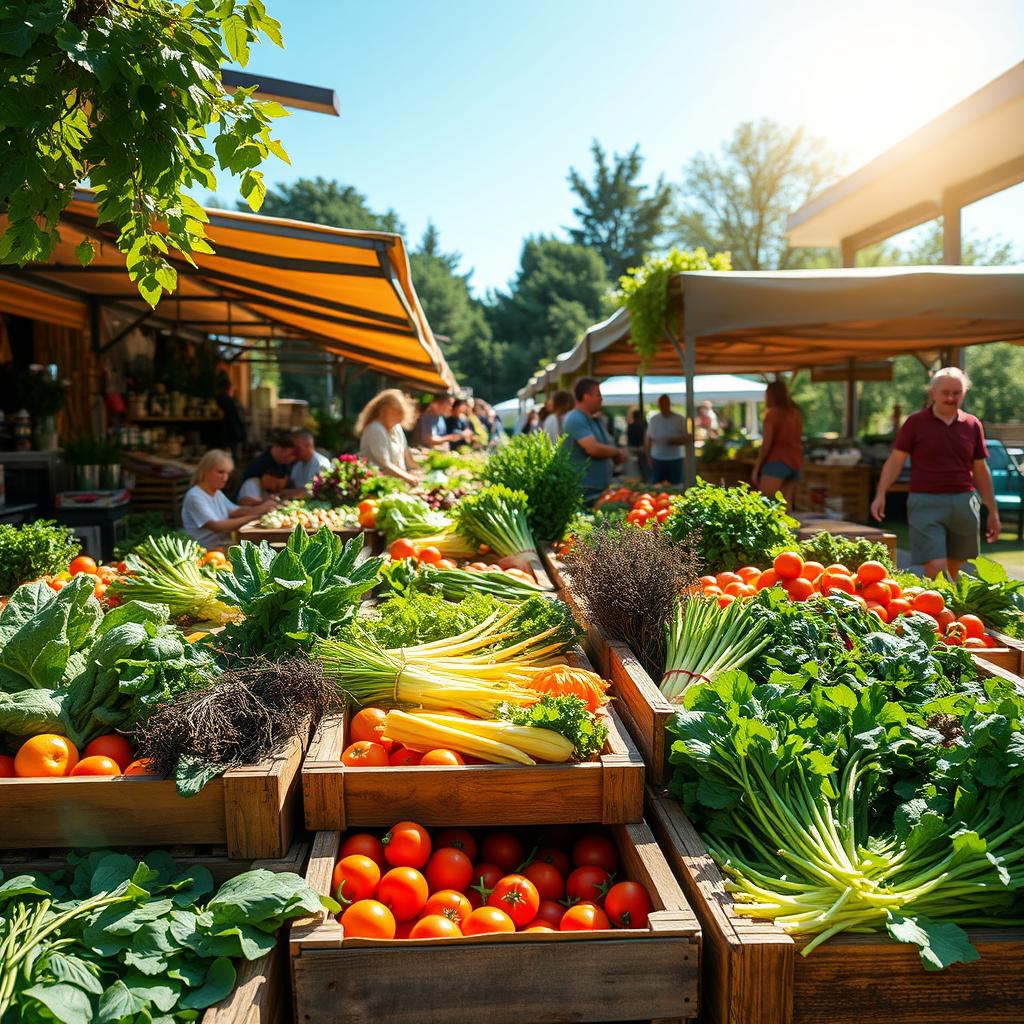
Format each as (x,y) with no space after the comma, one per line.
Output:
(208,515)
(782,450)
(592,447)
(276,460)
(663,443)
(381,437)
(309,463)
(948,472)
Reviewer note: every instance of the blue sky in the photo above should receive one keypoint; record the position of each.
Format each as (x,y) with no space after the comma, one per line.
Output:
(470,114)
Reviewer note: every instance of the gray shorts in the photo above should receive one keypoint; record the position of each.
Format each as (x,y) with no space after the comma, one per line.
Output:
(944,526)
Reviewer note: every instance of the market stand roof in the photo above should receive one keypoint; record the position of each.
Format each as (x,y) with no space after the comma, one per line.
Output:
(348,292)
(768,321)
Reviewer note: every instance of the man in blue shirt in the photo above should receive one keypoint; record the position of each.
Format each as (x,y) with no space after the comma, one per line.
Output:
(592,447)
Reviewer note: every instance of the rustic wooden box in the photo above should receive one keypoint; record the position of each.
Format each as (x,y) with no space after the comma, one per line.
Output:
(262,992)
(752,972)
(278,538)
(649,974)
(1009,655)
(253,810)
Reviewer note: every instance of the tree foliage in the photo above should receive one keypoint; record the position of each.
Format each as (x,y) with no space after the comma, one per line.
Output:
(618,217)
(738,201)
(319,201)
(121,93)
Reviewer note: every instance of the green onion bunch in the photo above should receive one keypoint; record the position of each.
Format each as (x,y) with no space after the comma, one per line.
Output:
(497,517)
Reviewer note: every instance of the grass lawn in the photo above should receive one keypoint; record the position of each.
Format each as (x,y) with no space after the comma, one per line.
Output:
(1008,551)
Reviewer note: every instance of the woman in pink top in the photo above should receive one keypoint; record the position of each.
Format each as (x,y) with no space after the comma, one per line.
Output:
(782,448)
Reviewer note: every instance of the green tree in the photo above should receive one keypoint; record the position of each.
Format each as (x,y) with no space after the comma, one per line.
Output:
(455,314)
(738,201)
(319,201)
(926,250)
(619,217)
(121,94)
(559,291)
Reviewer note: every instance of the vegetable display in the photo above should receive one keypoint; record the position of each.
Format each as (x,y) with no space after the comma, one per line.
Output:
(404,515)
(497,517)
(33,550)
(991,595)
(456,582)
(342,482)
(311,518)
(830,549)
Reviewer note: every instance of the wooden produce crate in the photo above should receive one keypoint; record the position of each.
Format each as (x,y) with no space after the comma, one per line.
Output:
(278,538)
(753,973)
(159,494)
(262,991)
(544,978)
(252,810)
(609,789)
(1008,655)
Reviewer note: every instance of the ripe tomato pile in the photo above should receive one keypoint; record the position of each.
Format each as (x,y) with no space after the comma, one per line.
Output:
(650,507)
(410,884)
(870,584)
(369,749)
(51,756)
(429,555)
(368,514)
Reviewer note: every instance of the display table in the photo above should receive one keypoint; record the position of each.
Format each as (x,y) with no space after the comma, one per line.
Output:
(811,524)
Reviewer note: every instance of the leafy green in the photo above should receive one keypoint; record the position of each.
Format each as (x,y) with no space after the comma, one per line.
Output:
(404,515)
(36,549)
(545,473)
(568,716)
(497,517)
(309,589)
(455,584)
(830,549)
(735,525)
(992,595)
(419,617)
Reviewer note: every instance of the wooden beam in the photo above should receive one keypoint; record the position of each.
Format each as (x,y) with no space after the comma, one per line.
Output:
(289,94)
(919,213)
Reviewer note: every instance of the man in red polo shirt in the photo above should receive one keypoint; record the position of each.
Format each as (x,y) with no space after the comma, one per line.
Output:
(948,472)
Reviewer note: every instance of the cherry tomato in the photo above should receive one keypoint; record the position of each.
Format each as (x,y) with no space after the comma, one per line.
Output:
(407,845)
(627,905)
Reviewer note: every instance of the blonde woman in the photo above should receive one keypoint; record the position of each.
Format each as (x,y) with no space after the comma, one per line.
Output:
(208,515)
(381,437)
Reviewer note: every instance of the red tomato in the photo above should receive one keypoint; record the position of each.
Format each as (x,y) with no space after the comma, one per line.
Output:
(899,606)
(974,626)
(368,725)
(518,897)
(457,839)
(588,883)
(403,757)
(767,579)
(368,919)
(945,619)
(403,929)
(367,845)
(550,884)
(404,892)
(503,849)
(441,758)
(596,851)
(724,600)
(402,549)
(627,905)
(355,878)
(429,555)
(876,592)
(871,572)
(487,919)
(880,610)
(435,926)
(96,765)
(584,917)
(449,903)
(407,845)
(364,754)
(894,588)
(549,912)
(788,565)
(798,588)
(114,746)
(448,868)
(931,602)
(558,859)
(83,563)
(485,878)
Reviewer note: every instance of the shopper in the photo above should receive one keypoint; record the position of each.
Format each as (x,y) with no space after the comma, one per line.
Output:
(663,443)
(457,425)
(276,460)
(782,449)
(561,405)
(432,430)
(592,449)
(530,423)
(381,437)
(309,463)
(707,424)
(490,421)
(948,472)
(258,489)
(208,516)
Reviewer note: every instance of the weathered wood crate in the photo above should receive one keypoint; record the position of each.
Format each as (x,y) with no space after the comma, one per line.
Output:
(544,978)
(253,810)
(753,973)
(1008,655)
(262,992)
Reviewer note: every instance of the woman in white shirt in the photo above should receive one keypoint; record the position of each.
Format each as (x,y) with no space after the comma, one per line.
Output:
(208,515)
(381,437)
(561,405)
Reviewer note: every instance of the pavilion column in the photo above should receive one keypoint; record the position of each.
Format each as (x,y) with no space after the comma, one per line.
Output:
(689,371)
(952,255)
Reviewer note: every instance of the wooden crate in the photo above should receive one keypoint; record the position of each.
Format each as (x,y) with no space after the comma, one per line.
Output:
(262,991)
(609,789)
(649,974)
(159,494)
(1009,655)
(252,810)
(278,538)
(753,973)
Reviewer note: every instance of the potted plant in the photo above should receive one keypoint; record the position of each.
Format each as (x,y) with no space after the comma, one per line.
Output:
(97,463)
(43,395)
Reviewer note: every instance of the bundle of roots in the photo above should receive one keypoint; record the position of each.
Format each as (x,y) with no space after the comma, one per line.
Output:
(247,715)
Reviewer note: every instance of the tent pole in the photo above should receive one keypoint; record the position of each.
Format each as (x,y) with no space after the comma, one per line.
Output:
(851,399)
(689,366)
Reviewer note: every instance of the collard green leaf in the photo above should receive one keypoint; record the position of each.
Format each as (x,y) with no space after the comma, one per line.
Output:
(940,943)
(220,980)
(116,1003)
(69,1004)
(75,971)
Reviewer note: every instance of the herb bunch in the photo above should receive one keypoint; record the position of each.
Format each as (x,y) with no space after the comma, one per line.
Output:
(36,549)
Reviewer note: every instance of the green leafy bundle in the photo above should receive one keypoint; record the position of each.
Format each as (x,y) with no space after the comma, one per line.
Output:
(830,549)
(890,800)
(455,584)
(497,517)
(992,595)
(568,716)
(68,669)
(546,474)
(309,589)
(36,549)
(115,939)
(736,525)
(404,515)
(421,617)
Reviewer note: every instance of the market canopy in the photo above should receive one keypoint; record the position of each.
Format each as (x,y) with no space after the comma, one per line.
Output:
(770,321)
(348,292)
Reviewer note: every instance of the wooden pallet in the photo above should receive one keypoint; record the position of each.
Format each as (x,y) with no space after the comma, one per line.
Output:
(649,974)
(252,810)
(262,991)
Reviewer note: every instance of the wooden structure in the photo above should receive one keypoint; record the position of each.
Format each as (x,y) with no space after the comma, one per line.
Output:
(253,811)
(508,978)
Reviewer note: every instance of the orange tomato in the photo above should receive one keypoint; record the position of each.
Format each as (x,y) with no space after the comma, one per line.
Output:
(767,579)
(401,549)
(738,590)
(141,767)
(96,765)
(367,505)
(798,588)
(899,606)
(539,928)
(713,591)
(368,919)
(404,892)
(485,920)
(7,767)
(812,570)
(429,555)
(435,926)
(403,757)
(441,757)
(364,754)
(838,567)
(723,579)
(975,643)
(366,844)
(355,878)
(837,581)
(584,917)
(877,592)
(708,581)
(879,609)
(45,756)
(446,563)
(931,602)
(83,563)
(368,725)
(725,599)
(114,746)
(748,573)
(367,520)
(871,572)
(450,903)
(788,565)
(894,588)
(974,626)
